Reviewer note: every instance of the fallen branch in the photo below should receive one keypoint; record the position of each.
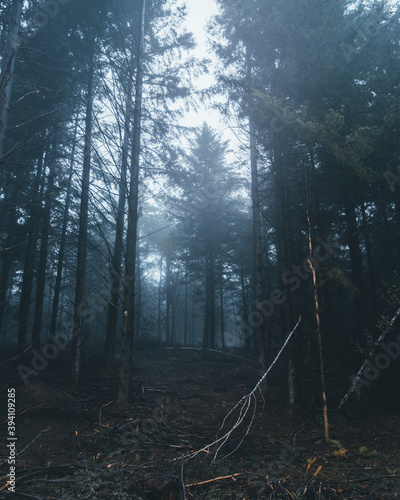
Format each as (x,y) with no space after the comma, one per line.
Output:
(303,489)
(28,445)
(371,353)
(101,409)
(183,480)
(372,478)
(27,495)
(245,404)
(163,485)
(218,351)
(84,461)
(232,476)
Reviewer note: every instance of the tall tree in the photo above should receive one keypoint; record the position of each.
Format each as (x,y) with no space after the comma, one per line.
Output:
(125,379)
(83,219)
(7,68)
(204,205)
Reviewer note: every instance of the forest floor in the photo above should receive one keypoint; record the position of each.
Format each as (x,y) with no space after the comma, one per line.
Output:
(89,448)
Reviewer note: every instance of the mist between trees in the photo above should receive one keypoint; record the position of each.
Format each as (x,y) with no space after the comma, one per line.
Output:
(123,230)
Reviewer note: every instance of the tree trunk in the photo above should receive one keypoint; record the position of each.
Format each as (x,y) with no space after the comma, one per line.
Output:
(211,289)
(30,257)
(44,245)
(168,300)
(317,317)
(138,298)
(79,305)
(257,256)
(319,335)
(7,69)
(125,380)
(63,241)
(248,338)
(370,260)
(206,331)
(7,256)
(119,233)
(185,315)
(159,301)
(221,302)
(356,267)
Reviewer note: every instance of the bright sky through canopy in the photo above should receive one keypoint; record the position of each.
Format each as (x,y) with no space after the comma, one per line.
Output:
(199,13)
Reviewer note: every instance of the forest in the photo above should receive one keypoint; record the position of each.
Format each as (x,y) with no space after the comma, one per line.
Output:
(197,311)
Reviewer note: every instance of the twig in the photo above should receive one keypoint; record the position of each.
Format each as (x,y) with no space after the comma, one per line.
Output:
(371,353)
(101,409)
(293,433)
(232,476)
(84,461)
(41,480)
(218,351)
(245,404)
(183,480)
(28,445)
(26,495)
(303,489)
(372,478)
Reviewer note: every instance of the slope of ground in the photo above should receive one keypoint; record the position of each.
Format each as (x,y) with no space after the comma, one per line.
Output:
(89,448)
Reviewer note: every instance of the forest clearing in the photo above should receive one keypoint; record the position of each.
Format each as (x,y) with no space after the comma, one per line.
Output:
(200,249)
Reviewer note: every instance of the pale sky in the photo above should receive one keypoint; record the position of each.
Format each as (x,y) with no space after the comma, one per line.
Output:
(199,13)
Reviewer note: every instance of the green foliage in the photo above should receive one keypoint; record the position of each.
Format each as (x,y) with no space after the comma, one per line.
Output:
(363,451)
(335,444)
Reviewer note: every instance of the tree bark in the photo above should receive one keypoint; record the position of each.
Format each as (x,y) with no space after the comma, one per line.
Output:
(44,245)
(257,255)
(370,260)
(119,233)
(7,256)
(125,380)
(7,69)
(211,289)
(206,331)
(63,241)
(317,319)
(30,257)
(356,267)
(221,302)
(248,339)
(138,298)
(79,305)
(186,312)
(159,302)
(168,299)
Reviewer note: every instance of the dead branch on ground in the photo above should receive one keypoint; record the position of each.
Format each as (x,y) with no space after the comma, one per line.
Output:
(245,404)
